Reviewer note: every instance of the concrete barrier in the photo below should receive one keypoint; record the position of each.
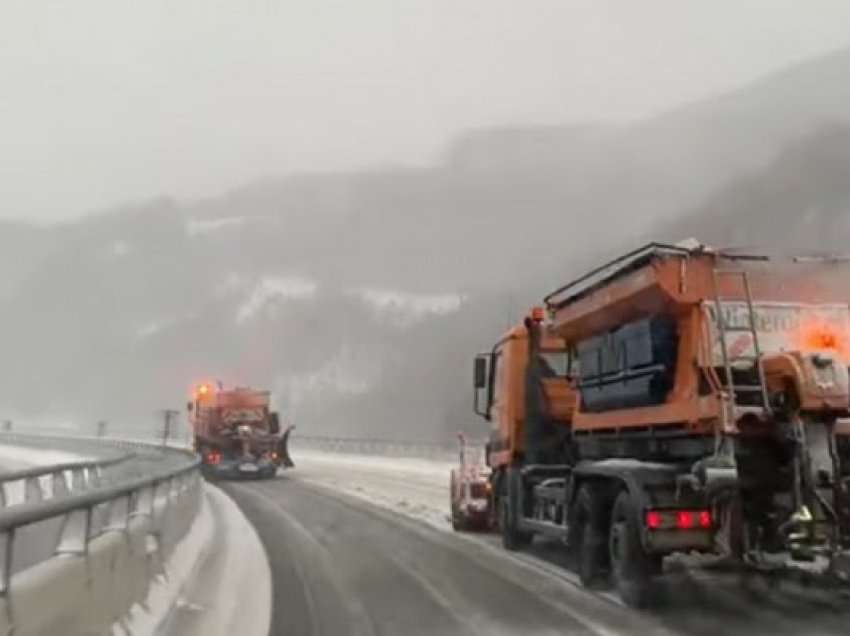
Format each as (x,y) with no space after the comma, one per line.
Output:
(227,589)
(114,542)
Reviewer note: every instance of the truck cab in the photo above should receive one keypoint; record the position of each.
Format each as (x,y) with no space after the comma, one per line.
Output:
(524,388)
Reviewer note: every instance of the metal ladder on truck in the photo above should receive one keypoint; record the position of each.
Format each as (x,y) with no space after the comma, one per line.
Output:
(736,391)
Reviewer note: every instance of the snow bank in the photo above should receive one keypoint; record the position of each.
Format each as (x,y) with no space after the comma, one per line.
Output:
(223,587)
(416,488)
(165,592)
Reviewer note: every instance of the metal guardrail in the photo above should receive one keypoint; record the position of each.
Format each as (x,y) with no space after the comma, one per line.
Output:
(84,475)
(111,542)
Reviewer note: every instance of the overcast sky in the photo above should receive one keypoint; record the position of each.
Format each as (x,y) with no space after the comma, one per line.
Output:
(109,101)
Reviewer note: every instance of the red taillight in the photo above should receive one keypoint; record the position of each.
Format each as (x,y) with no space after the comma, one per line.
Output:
(213,458)
(273,456)
(653,520)
(679,520)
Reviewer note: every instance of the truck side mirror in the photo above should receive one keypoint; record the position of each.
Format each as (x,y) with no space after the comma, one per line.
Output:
(189,407)
(274,423)
(480,372)
(481,382)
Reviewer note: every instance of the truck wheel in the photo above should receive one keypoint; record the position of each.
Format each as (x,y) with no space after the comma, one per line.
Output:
(512,539)
(209,473)
(588,534)
(633,569)
(492,522)
(509,513)
(734,528)
(458,524)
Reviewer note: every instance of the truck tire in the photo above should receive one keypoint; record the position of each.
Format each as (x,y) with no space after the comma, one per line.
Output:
(209,473)
(510,513)
(633,570)
(458,524)
(588,536)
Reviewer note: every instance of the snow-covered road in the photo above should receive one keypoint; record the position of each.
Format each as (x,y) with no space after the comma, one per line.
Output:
(418,489)
(413,487)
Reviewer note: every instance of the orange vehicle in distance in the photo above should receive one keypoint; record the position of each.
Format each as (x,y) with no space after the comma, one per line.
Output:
(236,433)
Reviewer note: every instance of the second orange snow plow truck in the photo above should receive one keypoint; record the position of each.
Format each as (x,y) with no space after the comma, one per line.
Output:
(677,400)
(469,492)
(236,433)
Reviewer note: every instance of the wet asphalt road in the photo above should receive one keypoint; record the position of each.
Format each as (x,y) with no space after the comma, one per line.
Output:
(344,566)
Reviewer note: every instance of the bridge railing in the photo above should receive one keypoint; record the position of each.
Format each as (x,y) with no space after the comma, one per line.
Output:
(39,483)
(109,543)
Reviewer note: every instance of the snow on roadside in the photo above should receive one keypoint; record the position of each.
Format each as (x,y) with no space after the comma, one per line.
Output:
(165,592)
(416,488)
(17,457)
(223,581)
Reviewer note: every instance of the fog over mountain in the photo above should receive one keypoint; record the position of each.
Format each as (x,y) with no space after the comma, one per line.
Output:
(360,298)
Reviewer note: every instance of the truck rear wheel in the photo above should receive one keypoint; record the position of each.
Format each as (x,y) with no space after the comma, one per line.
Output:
(510,513)
(633,569)
(458,522)
(588,535)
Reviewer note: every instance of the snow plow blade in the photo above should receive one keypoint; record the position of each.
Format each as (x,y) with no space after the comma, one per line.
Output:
(283,449)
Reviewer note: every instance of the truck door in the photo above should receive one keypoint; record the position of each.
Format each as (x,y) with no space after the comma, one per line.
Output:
(498,402)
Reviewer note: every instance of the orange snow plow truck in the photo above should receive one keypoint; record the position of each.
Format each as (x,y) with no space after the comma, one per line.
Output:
(677,400)
(236,433)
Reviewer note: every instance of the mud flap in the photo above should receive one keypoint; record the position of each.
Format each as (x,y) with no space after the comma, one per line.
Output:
(283,449)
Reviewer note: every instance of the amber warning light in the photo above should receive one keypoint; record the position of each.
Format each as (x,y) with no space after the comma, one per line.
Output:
(537,314)
(823,336)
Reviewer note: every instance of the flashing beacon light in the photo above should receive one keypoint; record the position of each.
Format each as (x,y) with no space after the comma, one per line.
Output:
(537,314)
(203,389)
(823,339)
(822,336)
